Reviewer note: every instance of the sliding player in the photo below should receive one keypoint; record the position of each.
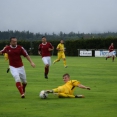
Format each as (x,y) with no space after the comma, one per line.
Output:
(6,58)
(111,52)
(61,53)
(67,90)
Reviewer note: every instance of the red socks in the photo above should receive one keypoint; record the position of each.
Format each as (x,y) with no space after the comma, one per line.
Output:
(46,70)
(19,87)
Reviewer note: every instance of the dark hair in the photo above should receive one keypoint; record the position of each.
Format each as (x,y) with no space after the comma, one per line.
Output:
(66,75)
(12,38)
(43,36)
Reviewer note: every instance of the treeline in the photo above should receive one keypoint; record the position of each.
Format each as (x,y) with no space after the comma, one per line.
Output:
(70,45)
(26,35)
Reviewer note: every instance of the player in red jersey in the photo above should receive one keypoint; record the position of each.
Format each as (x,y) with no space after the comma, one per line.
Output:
(17,70)
(44,50)
(111,52)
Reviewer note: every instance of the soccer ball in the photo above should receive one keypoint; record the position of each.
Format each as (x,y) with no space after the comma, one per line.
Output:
(43,95)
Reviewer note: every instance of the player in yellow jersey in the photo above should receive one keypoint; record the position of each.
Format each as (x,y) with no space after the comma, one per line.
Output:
(61,53)
(6,58)
(67,90)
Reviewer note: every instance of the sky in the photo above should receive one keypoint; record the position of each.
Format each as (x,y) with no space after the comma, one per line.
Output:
(55,16)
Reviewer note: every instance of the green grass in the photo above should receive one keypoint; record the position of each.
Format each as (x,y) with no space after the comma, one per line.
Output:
(100,101)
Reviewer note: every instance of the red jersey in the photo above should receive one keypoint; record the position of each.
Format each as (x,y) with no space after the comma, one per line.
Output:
(14,54)
(43,48)
(111,48)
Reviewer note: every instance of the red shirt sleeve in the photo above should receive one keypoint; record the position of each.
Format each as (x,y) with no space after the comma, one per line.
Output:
(24,52)
(4,50)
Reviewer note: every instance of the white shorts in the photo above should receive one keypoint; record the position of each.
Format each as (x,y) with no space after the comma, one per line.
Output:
(112,53)
(46,60)
(18,74)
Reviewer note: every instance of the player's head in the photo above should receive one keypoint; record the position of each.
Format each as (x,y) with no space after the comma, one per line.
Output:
(43,39)
(62,41)
(13,41)
(66,77)
(111,44)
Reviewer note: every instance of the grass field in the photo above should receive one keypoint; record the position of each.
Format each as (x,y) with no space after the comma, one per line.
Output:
(97,73)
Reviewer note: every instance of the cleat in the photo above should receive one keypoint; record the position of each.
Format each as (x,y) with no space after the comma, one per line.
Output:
(79,96)
(22,96)
(46,76)
(54,62)
(49,91)
(65,66)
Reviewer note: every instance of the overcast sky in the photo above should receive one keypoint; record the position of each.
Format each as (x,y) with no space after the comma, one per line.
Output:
(48,16)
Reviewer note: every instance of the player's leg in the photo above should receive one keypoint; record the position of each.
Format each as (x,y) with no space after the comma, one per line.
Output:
(45,61)
(56,90)
(63,95)
(16,76)
(47,66)
(6,58)
(64,60)
(109,55)
(23,78)
(113,56)
(58,59)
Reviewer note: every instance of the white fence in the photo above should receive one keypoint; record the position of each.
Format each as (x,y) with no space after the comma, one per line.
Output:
(95,53)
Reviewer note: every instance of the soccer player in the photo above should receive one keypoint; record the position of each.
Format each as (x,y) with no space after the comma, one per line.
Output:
(17,70)
(111,52)
(61,54)
(44,50)
(6,58)
(67,90)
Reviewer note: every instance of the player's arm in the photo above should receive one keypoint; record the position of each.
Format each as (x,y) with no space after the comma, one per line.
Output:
(3,50)
(58,47)
(39,50)
(31,62)
(83,87)
(25,54)
(51,48)
(0,52)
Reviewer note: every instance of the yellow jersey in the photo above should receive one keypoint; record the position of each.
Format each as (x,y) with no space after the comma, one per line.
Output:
(60,47)
(67,88)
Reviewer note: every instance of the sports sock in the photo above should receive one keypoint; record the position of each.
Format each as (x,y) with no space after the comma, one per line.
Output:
(113,58)
(46,70)
(56,60)
(64,62)
(19,87)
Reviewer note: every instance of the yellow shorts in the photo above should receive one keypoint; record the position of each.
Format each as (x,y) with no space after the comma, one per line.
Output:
(61,55)
(62,89)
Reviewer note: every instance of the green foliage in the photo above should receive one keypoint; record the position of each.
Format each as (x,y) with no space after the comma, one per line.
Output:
(70,45)
(26,35)
(100,101)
